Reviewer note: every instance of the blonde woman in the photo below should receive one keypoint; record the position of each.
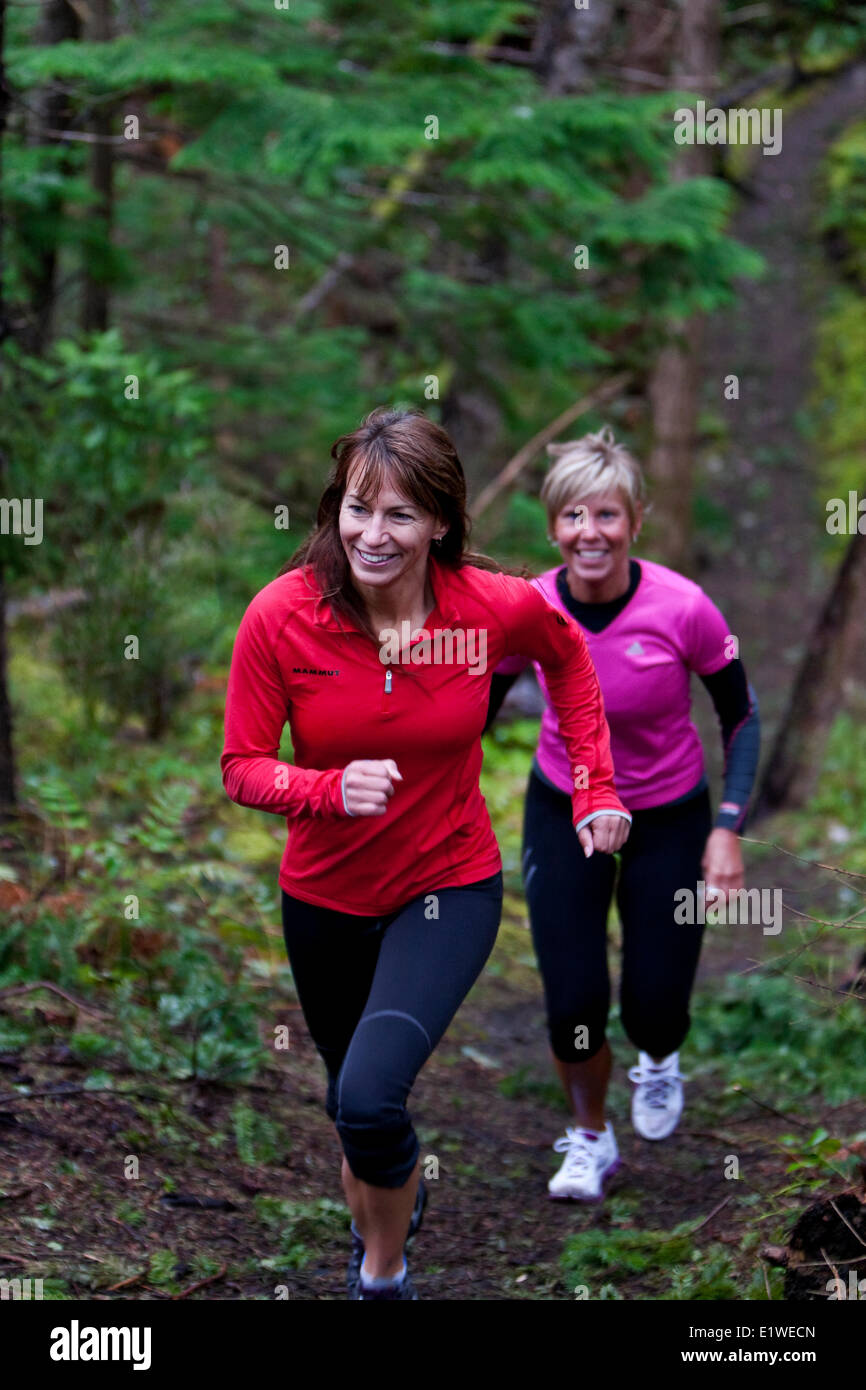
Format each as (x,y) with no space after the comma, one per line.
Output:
(648,629)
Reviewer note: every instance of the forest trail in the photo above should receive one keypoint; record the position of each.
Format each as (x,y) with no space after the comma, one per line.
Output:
(486,1107)
(261,1217)
(767,339)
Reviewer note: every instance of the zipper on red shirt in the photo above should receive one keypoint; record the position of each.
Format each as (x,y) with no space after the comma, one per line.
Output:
(386,691)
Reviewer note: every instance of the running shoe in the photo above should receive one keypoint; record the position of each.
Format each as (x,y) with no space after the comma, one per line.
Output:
(353,1273)
(657,1102)
(589,1160)
(405,1290)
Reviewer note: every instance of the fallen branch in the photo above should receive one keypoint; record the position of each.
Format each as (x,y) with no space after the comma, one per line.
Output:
(789,1119)
(202,1283)
(854,1233)
(58,1093)
(508,475)
(128,1229)
(55,989)
(125,1283)
(813,863)
(715,1211)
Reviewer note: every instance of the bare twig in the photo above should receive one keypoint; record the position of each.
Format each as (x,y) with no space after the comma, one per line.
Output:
(789,1119)
(508,475)
(458,50)
(202,1283)
(813,863)
(58,1093)
(854,1233)
(125,1283)
(833,1268)
(129,1231)
(715,1211)
(55,989)
(766,1282)
(818,1264)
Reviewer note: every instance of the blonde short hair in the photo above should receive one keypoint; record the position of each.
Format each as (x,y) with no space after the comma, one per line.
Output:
(591,467)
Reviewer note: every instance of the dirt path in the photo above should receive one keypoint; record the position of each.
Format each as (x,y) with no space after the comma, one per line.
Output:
(487,1112)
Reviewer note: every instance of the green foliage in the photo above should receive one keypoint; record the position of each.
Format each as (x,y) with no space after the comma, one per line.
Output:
(837,418)
(256,1138)
(522,535)
(840,788)
(598,1253)
(818,1159)
(162,1265)
(668,1265)
(712,1278)
(301,1228)
(86,1046)
(308,128)
(843,211)
(772,1036)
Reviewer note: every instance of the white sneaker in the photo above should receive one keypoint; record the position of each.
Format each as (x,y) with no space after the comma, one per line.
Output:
(657,1103)
(588,1161)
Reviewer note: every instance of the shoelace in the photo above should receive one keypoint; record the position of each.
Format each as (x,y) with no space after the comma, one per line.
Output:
(578,1152)
(657,1085)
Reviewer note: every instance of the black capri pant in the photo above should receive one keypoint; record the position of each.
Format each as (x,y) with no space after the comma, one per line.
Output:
(569,897)
(377,994)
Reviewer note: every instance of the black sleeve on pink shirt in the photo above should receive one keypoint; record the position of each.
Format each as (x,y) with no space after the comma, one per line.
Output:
(737,708)
(500,685)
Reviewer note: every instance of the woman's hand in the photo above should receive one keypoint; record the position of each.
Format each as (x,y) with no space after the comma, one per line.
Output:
(722,864)
(367,785)
(605,833)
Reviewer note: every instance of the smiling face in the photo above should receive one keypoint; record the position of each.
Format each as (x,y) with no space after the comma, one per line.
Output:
(387,537)
(594,538)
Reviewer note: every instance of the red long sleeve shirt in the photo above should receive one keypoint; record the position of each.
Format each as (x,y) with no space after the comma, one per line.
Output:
(292,662)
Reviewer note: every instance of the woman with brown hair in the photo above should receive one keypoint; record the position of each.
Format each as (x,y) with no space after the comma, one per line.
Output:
(376,643)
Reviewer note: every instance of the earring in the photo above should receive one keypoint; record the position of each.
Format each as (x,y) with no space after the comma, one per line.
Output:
(437,540)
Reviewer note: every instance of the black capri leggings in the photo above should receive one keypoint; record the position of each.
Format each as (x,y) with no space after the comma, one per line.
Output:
(569,897)
(377,994)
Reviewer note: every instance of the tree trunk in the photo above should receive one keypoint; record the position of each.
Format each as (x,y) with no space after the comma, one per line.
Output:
(7,761)
(7,754)
(795,763)
(94,315)
(60,22)
(674,383)
(569,43)
(672,389)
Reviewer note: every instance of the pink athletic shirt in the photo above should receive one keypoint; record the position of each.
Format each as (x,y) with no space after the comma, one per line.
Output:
(644,659)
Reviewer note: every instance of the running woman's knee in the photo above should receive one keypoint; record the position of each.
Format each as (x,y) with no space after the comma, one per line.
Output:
(378,1140)
(387,1052)
(656,1031)
(576,1038)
